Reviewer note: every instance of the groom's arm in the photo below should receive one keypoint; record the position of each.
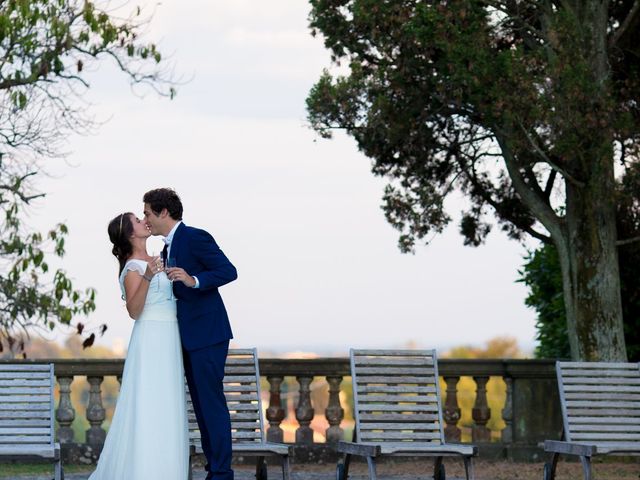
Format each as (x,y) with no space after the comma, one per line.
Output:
(218,270)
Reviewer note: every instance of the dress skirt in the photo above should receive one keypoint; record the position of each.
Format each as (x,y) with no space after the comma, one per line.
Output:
(149,437)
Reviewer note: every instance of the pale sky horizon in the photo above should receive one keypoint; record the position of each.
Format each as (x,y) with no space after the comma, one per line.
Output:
(299,216)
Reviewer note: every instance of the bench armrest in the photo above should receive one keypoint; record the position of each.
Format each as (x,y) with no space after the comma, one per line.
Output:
(361,449)
(570,448)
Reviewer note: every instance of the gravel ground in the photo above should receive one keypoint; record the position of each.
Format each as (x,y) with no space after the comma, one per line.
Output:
(491,471)
(418,470)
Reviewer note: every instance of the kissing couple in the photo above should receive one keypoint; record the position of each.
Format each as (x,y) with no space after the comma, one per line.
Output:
(181,330)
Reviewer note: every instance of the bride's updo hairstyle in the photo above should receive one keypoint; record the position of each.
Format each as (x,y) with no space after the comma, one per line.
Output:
(120,230)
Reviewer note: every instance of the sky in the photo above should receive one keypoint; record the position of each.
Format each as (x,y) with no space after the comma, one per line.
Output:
(299,216)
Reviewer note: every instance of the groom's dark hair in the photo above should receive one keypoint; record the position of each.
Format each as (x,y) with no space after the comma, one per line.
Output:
(161,198)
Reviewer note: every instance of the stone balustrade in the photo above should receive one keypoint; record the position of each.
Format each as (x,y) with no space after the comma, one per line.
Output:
(529,414)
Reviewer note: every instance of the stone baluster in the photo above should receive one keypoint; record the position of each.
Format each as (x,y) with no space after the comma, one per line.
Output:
(275,412)
(95,413)
(507,412)
(334,411)
(452,410)
(304,411)
(65,414)
(481,412)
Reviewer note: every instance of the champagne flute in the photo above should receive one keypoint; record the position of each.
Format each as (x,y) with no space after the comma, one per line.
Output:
(170,262)
(154,254)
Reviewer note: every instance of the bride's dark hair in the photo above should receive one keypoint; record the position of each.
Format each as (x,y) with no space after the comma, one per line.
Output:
(120,230)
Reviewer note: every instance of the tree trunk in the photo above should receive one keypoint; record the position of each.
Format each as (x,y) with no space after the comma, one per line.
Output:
(590,270)
(588,252)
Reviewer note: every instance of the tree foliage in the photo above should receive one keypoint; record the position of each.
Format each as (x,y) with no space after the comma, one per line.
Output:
(523,106)
(541,274)
(497,347)
(47,48)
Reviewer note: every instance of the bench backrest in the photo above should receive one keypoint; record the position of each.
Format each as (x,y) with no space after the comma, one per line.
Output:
(600,401)
(242,390)
(26,404)
(396,396)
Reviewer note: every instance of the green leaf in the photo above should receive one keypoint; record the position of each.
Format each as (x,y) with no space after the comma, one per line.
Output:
(38,258)
(65,316)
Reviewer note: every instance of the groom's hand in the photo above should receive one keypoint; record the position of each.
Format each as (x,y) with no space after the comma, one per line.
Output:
(178,274)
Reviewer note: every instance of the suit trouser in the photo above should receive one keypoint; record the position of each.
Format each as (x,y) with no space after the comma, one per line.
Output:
(204,369)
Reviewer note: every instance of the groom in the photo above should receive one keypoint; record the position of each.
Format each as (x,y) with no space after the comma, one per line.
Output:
(202,320)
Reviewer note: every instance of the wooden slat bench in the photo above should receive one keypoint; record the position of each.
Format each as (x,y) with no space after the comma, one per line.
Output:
(396,397)
(26,414)
(600,411)
(242,389)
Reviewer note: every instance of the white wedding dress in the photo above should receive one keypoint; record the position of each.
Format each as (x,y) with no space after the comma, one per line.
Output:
(149,436)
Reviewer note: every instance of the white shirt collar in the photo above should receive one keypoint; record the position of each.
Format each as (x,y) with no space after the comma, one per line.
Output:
(168,239)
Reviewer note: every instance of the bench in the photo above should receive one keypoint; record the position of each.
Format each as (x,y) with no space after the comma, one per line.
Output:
(26,414)
(396,395)
(600,411)
(242,390)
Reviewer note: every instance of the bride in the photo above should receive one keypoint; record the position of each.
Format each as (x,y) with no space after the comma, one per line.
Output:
(148,437)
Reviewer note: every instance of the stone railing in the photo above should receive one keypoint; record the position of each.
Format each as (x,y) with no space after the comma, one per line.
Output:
(528,414)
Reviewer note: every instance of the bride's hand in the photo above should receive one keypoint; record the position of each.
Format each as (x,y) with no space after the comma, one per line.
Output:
(154,266)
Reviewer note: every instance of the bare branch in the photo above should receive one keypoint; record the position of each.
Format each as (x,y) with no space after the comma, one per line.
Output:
(538,205)
(627,241)
(631,17)
(548,161)
(482,191)
(532,181)
(550,182)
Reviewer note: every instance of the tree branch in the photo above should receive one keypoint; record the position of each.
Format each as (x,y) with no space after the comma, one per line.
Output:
(486,196)
(550,162)
(501,7)
(627,241)
(624,26)
(538,206)
(550,182)
(533,181)
(16,190)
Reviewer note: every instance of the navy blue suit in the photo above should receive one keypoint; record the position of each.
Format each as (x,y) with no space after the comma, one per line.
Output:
(205,333)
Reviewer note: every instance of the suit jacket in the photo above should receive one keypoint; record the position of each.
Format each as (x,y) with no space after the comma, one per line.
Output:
(202,317)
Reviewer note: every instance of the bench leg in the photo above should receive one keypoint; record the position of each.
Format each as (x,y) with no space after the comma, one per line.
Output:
(549,469)
(58,472)
(286,471)
(437,465)
(347,462)
(468,468)
(554,465)
(371,462)
(586,467)
(261,469)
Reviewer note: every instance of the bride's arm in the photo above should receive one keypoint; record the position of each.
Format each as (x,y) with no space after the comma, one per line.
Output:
(136,287)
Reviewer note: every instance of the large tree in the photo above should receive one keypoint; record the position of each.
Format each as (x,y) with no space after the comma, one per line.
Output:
(524,106)
(543,277)
(46,49)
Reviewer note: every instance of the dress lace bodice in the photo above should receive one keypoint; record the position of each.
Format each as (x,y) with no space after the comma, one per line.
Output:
(160,289)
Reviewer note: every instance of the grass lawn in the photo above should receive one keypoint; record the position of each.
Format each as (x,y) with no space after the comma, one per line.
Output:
(8,470)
